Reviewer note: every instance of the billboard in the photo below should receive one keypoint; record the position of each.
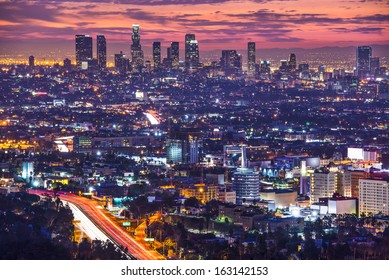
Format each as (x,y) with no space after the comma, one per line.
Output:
(355,153)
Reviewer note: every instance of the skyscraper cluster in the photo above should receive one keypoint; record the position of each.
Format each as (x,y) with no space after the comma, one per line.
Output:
(84,52)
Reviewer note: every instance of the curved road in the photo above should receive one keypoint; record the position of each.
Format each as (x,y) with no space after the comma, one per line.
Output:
(116,232)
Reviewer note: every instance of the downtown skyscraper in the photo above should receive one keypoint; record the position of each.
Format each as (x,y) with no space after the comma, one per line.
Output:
(84,51)
(364,54)
(136,50)
(101,52)
(157,55)
(188,39)
(194,56)
(251,58)
(175,55)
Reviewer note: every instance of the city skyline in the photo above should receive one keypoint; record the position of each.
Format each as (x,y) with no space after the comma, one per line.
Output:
(217,24)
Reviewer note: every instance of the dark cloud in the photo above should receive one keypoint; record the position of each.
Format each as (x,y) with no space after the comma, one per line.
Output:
(25,11)
(138,2)
(364,30)
(373,18)
(285,40)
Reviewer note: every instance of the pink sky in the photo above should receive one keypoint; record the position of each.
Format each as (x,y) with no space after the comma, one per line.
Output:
(218,24)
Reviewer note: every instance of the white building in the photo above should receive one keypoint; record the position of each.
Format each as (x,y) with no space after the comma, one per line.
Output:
(323,184)
(373,196)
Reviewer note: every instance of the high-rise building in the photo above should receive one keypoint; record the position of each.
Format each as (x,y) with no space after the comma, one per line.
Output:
(323,184)
(245,183)
(67,64)
(364,54)
(188,39)
(136,50)
(373,196)
(194,56)
(101,52)
(251,58)
(84,51)
(121,62)
(292,62)
(31,61)
(175,55)
(231,62)
(157,55)
(174,151)
(265,67)
(374,65)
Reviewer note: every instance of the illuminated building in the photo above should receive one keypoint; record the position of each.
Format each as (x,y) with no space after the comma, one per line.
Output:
(194,56)
(231,62)
(292,62)
(121,62)
(175,55)
(265,67)
(245,183)
(188,39)
(364,54)
(101,52)
(67,64)
(136,50)
(374,196)
(355,176)
(157,55)
(185,147)
(280,198)
(323,184)
(201,192)
(27,170)
(84,51)
(83,144)
(174,151)
(284,68)
(251,58)
(374,65)
(31,61)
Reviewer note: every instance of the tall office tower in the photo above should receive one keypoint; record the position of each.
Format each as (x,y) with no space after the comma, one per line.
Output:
(121,62)
(292,62)
(157,55)
(251,58)
(136,50)
(101,52)
(31,61)
(231,62)
(175,55)
(265,67)
(323,184)
(84,51)
(364,54)
(284,66)
(373,196)
(245,182)
(194,56)
(174,151)
(188,39)
(374,65)
(67,63)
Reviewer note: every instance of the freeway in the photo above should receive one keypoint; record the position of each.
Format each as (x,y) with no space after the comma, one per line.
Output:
(99,216)
(86,224)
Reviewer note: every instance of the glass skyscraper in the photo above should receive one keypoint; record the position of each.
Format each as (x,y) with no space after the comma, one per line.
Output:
(84,51)
(364,54)
(101,52)
(251,58)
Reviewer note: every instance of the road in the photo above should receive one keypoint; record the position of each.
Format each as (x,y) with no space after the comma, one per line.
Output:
(100,216)
(86,224)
